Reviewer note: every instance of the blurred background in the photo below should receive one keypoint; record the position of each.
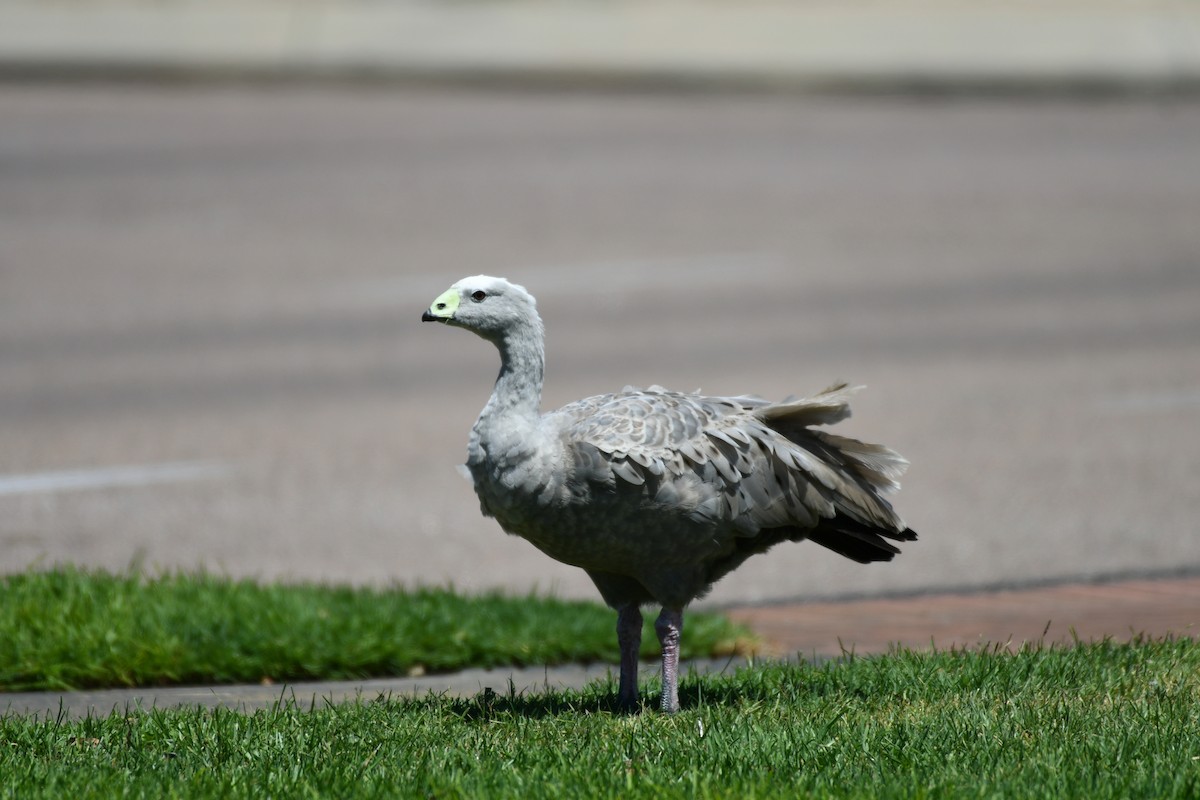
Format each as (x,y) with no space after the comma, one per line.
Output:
(220,223)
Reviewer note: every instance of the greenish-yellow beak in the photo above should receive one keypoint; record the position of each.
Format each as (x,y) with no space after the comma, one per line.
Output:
(443,307)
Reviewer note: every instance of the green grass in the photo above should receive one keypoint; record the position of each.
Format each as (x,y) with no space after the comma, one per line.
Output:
(1093,721)
(69,628)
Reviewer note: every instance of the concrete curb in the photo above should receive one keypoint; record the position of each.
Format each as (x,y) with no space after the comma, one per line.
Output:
(895,46)
(317,695)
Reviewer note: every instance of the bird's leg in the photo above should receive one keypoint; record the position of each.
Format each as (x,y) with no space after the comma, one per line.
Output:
(668,627)
(629,640)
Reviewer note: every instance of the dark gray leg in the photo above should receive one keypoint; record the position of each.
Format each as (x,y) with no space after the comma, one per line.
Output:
(668,627)
(629,639)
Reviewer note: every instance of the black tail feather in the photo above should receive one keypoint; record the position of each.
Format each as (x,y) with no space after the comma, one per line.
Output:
(858,542)
(842,535)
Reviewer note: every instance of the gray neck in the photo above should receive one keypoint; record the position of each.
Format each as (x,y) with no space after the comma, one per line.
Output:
(518,392)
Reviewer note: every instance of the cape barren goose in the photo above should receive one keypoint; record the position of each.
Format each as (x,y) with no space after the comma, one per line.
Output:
(658,494)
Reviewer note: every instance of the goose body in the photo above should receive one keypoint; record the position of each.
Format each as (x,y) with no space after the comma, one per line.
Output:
(658,494)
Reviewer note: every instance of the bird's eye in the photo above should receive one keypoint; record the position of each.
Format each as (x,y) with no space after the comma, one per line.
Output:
(479,296)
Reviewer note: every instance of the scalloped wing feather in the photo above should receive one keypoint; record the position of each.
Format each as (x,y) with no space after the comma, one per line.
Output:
(748,464)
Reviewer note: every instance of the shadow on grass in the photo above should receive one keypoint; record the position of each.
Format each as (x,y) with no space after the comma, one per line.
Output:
(770,681)
(695,692)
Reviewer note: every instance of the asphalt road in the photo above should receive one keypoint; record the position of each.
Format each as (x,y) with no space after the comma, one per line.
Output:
(210,351)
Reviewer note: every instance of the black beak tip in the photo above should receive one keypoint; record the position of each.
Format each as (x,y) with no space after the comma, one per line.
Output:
(427,317)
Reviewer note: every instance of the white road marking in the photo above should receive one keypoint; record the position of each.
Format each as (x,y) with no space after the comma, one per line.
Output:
(113,477)
(1152,401)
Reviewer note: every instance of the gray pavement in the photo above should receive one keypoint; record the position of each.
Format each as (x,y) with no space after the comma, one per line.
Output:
(907,45)
(315,694)
(212,353)
(522,681)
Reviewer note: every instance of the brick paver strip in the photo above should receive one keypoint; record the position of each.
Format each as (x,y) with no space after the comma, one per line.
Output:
(1091,611)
